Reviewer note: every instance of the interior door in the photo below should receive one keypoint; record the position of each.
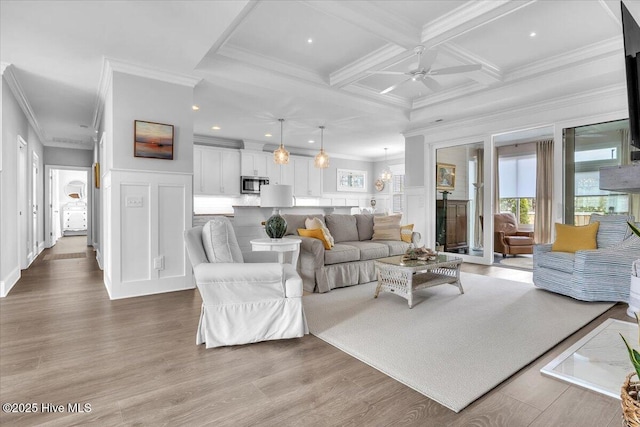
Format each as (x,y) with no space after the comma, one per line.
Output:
(23,237)
(34,205)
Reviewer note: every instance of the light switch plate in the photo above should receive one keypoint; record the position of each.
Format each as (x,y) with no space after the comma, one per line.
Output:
(133,201)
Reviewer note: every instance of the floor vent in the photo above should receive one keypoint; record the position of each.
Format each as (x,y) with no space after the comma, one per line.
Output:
(51,257)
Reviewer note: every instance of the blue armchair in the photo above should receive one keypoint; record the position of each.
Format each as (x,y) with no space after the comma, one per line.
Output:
(602,274)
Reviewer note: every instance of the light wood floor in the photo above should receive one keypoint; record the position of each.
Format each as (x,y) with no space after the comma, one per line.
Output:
(135,361)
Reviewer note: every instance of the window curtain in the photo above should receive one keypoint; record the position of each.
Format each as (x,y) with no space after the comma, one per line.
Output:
(634,199)
(544,191)
(479,201)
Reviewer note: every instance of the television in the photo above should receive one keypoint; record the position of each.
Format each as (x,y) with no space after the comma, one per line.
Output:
(631,36)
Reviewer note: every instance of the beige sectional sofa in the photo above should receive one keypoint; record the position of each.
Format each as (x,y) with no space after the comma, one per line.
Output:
(351,260)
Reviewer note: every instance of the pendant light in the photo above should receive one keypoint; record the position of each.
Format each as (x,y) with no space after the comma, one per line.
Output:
(281,155)
(386,174)
(322,159)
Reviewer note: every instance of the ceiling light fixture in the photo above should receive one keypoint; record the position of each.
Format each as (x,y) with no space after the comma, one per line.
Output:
(532,34)
(311,141)
(322,159)
(215,127)
(386,174)
(268,135)
(195,107)
(310,40)
(281,155)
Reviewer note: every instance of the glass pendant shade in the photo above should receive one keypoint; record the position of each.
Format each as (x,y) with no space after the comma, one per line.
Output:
(386,174)
(281,155)
(321,160)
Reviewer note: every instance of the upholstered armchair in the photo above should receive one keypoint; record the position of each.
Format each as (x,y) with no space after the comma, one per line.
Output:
(508,240)
(602,274)
(242,302)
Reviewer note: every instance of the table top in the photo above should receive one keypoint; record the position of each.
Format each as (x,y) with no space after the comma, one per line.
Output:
(269,241)
(441,260)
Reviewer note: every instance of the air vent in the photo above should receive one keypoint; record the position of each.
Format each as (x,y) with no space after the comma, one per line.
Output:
(68,140)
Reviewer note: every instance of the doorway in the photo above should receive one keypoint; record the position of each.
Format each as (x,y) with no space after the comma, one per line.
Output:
(68,200)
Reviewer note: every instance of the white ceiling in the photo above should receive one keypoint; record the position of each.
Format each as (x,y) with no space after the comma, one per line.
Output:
(256,64)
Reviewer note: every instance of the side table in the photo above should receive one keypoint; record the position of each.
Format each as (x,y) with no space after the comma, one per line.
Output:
(287,244)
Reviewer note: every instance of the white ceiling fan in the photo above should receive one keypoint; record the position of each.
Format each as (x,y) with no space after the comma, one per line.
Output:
(424,71)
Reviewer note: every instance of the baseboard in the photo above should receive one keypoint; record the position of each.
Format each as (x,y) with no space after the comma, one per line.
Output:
(9,282)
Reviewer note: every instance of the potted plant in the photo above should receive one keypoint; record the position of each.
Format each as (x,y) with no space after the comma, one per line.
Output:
(630,389)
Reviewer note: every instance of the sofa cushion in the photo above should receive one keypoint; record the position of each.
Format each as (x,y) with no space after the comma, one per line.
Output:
(519,240)
(613,229)
(315,233)
(370,250)
(560,261)
(220,242)
(364,223)
(396,247)
(571,238)
(386,227)
(342,227)
(295,221)
(341,253)
(315,223)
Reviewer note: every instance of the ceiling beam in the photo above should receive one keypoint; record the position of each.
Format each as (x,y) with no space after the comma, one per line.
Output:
(371,18)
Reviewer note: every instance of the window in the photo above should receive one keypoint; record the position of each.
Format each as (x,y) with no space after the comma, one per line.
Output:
(397,193)
(518,186)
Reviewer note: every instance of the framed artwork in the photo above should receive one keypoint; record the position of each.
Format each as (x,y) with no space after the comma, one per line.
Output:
(352,180)
(153,140)
(445,176)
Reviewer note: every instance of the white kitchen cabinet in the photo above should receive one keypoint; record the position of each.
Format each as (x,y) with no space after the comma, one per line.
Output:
(255,163)
(307,179)
(216,171)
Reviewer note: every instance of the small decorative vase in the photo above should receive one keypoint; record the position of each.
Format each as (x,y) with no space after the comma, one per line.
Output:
(276,226)
(373,203)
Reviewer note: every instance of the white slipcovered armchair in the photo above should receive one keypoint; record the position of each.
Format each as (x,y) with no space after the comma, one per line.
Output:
(241,302)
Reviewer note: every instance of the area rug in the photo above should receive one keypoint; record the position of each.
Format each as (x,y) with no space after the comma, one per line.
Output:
(520,262)
(450,347)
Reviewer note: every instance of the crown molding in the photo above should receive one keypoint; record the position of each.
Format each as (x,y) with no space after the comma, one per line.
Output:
(243,55)
(586,54)
(467,17)
(215,141)
(106,77)
(13,83)
(3,66)
(384,57)
(612,91)
(610,12)
(152,73)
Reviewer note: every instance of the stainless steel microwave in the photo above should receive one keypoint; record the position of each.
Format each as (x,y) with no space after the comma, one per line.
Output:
(252,184)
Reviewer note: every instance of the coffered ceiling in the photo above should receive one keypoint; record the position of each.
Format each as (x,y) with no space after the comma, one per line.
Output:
(312,62)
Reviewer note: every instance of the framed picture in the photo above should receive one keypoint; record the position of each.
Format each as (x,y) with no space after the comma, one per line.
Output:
(153,140)
(445,176)
(351,180)
(96,174)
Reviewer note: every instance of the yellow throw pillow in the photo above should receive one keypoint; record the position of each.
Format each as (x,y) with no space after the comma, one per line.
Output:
(313,223)
(406,232)
(316,233)
(571,238)
(386,227)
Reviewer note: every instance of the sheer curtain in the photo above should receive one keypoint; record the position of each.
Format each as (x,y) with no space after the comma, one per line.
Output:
(544,191)
(634,199)
(479,202)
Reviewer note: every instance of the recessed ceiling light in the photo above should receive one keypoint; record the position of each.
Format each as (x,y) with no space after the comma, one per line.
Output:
(532,34)
(310,40)
(195,107)
(311,141)
(215,127)
(268,135)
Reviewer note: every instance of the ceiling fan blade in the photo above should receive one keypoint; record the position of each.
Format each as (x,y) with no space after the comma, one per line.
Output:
(455,70)
(431,83)
(386,72)
(427,58)
(395,86)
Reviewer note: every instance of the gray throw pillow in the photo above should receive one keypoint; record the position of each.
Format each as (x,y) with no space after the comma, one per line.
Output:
(364,223)
(343,228)
(220,242)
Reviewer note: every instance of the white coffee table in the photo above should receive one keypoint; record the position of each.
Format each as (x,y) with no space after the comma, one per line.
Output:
(287,244)
(405,277)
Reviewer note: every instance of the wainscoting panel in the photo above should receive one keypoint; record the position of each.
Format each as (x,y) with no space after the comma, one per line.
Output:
(135,223)
(415,211)
(171,202)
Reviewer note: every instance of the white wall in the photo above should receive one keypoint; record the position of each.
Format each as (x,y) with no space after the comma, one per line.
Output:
(138,235)
(14,124)
(67,157)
